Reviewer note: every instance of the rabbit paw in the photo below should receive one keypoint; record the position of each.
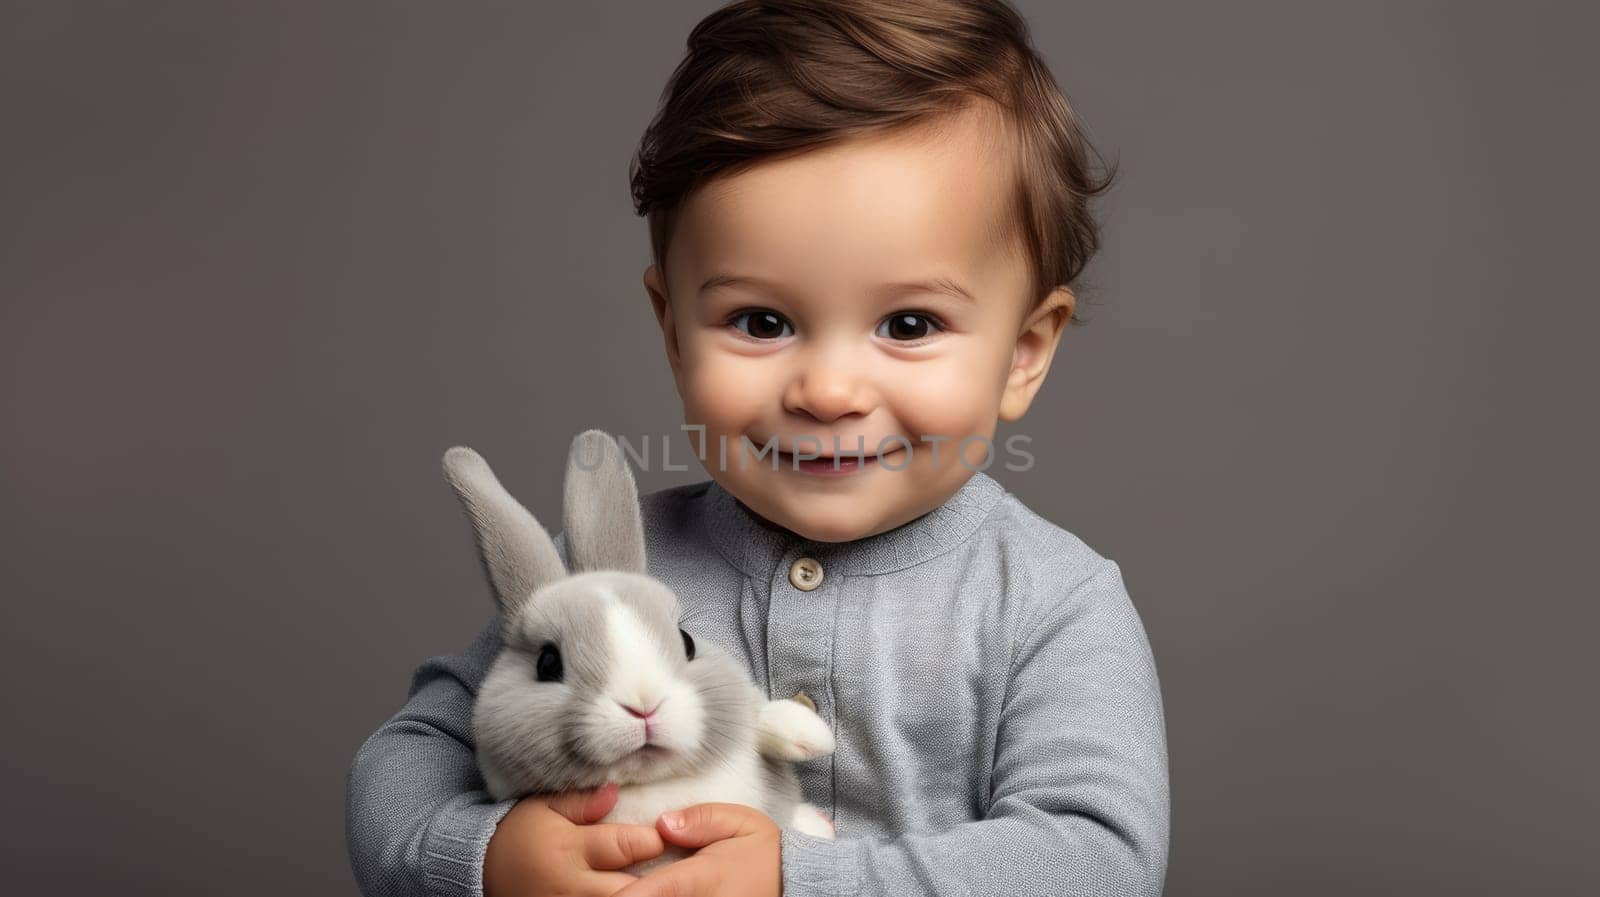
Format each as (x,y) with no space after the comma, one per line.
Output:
(792,731)
(812,821)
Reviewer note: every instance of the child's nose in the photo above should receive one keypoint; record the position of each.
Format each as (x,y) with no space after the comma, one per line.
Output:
(827,391)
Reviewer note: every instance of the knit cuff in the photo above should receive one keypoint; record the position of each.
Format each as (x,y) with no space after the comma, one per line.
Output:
(818,867)
(454,845)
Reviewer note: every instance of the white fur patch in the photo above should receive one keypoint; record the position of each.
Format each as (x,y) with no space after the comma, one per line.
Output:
(643,676)
(812,821)
(792,731)
(738,781)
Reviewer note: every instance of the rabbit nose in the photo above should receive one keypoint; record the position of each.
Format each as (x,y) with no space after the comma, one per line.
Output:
(642,714)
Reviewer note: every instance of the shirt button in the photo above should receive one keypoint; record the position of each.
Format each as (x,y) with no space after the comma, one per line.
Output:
(805,574)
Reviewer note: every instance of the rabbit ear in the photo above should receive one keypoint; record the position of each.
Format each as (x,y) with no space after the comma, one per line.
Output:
(601,507)
(515,550)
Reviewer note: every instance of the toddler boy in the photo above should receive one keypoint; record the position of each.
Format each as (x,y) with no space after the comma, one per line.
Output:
(866,219)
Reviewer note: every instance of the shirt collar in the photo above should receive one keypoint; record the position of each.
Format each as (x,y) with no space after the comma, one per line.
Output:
(757,547)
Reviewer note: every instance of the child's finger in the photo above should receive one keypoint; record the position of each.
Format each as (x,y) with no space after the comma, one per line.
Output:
(614,845)
(679,879)
(604,884)
(586,806)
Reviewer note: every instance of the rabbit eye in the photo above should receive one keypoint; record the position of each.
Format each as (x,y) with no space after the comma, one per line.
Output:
(688,644)
(548,667)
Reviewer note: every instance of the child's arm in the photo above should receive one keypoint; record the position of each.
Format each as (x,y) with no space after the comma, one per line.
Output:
(416,818)
(419,824)
(1079,801)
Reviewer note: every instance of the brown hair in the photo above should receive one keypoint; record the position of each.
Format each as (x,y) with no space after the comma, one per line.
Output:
(767,78)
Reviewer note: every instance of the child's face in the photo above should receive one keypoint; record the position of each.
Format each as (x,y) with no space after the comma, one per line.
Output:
(823,346)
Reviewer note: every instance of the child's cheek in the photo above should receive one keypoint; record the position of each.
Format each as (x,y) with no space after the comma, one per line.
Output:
(726,393)
(949,400)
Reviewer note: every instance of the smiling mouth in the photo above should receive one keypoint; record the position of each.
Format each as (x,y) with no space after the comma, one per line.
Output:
(825,464)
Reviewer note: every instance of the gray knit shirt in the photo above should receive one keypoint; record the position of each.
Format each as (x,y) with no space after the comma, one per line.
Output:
(988,681)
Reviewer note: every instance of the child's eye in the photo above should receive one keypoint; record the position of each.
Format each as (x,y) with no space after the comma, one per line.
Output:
(761,324)
(908,326)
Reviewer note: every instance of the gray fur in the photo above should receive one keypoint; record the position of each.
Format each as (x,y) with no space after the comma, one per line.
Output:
(602,520)
(544,737)
(516,553)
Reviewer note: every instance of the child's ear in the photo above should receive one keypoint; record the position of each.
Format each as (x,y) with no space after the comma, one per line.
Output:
(657,288)
(1036,346)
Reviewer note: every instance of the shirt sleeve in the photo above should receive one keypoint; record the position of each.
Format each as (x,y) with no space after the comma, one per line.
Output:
(417,820)
(1079,801)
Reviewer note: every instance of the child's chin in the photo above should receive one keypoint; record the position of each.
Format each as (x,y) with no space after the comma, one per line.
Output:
(817,508)
(848,526)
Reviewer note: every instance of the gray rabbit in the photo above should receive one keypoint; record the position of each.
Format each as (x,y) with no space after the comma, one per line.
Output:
(597,683)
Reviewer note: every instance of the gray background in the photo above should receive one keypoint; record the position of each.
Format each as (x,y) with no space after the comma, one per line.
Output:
(1334,413)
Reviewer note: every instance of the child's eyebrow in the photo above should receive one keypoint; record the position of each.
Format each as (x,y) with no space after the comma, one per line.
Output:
(939,284)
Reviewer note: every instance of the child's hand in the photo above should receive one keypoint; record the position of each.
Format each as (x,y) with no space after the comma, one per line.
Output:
(548,844)
(739,855)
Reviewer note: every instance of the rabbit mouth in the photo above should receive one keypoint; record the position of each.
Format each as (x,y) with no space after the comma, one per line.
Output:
(646,763)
